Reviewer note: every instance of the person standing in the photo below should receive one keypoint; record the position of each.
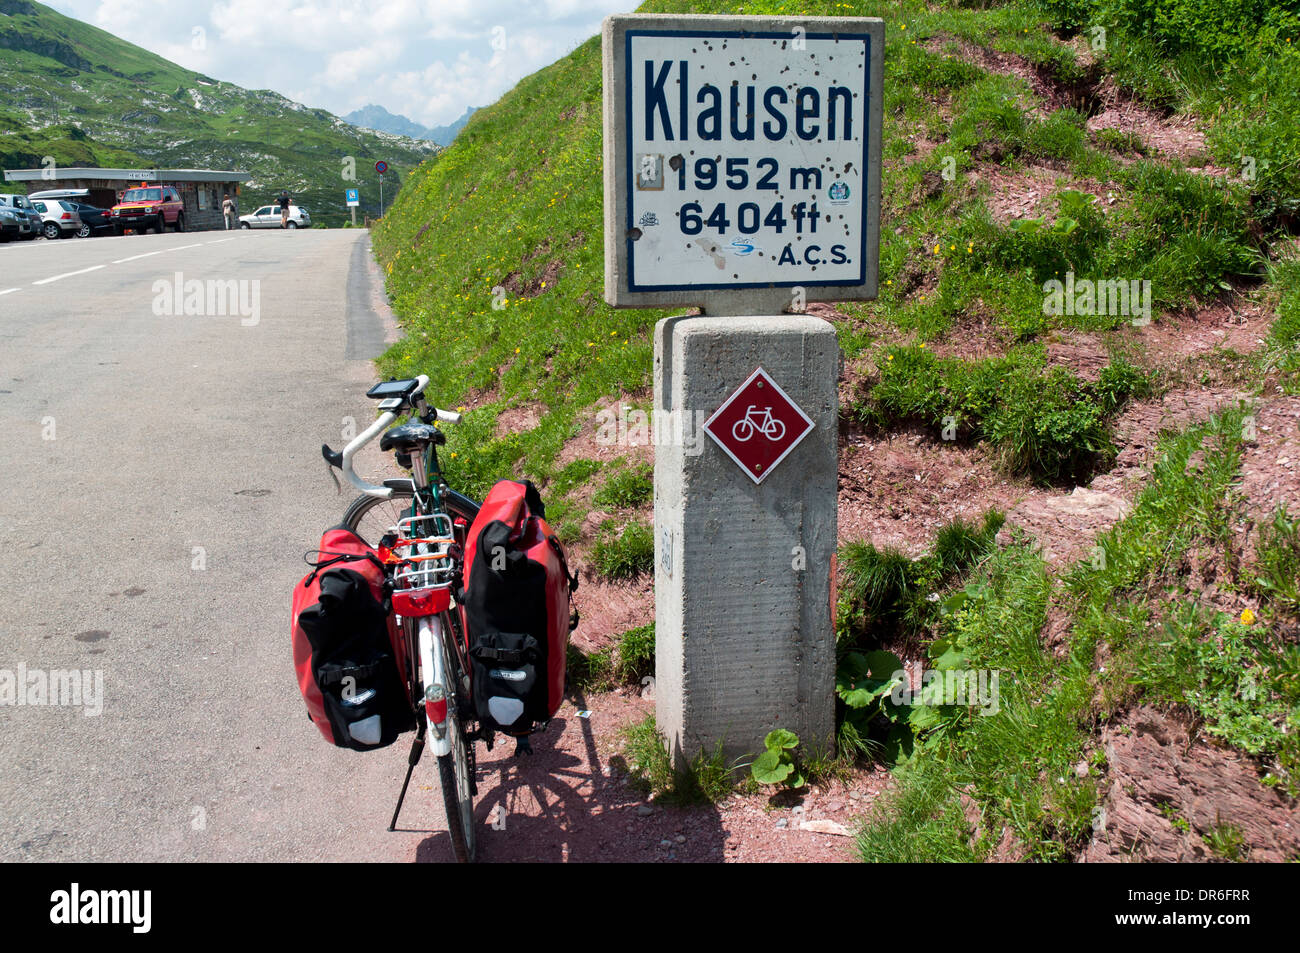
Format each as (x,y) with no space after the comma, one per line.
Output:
(284,209)
(228,210)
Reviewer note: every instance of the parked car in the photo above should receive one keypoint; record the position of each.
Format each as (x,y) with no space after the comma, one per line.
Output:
(93,220)
(12,223)
(27,219)
(60,218)
(146,207)
(268,216)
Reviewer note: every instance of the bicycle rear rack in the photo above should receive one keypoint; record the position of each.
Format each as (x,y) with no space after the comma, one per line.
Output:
(424,546)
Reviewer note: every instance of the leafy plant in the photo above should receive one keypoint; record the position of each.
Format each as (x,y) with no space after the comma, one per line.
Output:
(776,765)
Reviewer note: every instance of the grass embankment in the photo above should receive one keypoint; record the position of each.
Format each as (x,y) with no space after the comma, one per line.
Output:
(494,261)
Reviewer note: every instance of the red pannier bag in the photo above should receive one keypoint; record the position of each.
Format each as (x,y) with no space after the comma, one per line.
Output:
(517,612)
(348,651)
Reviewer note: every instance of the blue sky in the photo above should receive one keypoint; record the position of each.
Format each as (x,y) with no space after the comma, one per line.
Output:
(426,59)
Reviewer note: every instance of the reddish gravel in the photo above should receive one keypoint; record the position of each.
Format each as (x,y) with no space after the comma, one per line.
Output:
(571,800)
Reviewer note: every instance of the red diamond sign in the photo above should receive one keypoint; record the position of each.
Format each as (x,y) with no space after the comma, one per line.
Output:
(758,425)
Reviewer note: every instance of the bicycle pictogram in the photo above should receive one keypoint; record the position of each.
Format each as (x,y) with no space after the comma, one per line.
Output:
(758,422)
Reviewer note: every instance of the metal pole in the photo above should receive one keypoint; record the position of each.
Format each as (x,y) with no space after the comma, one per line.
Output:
(354,216)
(381,195)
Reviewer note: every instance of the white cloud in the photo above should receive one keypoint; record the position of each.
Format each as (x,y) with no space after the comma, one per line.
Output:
(426,59)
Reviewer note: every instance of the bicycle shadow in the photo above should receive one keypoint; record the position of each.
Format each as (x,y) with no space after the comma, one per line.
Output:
(560,804)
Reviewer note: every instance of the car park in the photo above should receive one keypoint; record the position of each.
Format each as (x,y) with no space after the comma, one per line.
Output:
(146,207)
(268,216)
(93,219)
(22,220)
(59,217)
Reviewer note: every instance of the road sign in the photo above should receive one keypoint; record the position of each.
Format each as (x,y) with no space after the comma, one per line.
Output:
(381,166)
(758,425)
(743,155)
(353,197)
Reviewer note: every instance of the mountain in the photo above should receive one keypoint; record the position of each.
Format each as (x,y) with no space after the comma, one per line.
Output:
(86,97)
(380,119)
(444,135)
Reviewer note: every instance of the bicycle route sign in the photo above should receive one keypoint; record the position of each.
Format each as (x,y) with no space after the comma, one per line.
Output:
(742,154)
(758,425)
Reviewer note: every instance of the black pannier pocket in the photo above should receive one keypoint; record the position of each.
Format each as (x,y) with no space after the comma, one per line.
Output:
(359,679)
(505,678)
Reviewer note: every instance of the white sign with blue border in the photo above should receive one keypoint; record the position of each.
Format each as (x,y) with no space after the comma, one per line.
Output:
(748,153)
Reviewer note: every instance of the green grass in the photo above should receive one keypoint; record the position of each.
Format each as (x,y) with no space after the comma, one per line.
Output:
(1281,354)
(1226,841)
(627,488)
(1044,423)
(635,658)
(1017,767)
(1277,570)
(707,780)
(627,660)
(625,553)
(883,590)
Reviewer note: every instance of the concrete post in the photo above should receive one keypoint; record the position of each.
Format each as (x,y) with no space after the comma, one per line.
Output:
(744,640)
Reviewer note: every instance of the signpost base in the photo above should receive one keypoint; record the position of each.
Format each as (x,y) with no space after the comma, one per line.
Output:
(743,638)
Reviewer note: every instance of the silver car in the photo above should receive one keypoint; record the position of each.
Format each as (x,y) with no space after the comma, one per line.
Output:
(268,216)
(59,218)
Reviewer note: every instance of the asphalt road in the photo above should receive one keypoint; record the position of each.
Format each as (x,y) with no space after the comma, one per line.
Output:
(161,482)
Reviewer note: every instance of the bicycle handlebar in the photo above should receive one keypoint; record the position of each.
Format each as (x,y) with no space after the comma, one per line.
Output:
(360,440)
(344,460)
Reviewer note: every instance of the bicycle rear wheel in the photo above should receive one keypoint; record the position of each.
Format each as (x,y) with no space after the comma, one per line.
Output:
(454,769)
(370,517)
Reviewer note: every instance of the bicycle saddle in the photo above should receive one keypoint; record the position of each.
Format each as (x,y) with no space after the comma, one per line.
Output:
(413,436)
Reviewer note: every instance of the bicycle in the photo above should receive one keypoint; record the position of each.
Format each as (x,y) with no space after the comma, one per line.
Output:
(418,526)
(754,422)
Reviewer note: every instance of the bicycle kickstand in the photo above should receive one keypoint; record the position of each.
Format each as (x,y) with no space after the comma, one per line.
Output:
(417,749)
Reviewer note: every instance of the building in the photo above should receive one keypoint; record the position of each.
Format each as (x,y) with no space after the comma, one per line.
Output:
(201,189)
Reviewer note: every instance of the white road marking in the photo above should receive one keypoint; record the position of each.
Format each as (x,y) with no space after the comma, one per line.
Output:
(9,290)
(121,261)
(67,274)
(145,255)
(218,242)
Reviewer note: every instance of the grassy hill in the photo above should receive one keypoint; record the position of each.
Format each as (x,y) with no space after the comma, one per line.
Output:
(85,97)
(1020,146)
